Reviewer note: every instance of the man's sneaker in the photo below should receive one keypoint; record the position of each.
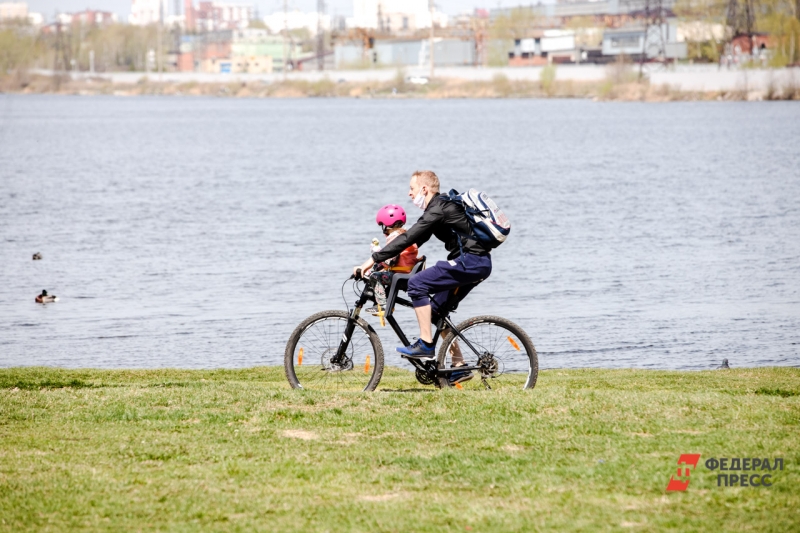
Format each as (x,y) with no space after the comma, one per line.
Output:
(418,350)
(461,376)
(372,310)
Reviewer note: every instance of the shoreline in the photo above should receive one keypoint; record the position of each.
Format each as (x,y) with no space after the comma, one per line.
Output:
(619,86)
(270,368)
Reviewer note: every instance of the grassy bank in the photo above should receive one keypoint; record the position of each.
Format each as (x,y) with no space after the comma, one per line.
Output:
(227,450)
(615,87)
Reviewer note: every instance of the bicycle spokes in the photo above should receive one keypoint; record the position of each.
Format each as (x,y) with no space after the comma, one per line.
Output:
(493,352)
(315,365)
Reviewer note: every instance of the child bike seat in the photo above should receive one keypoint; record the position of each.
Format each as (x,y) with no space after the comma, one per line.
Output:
(400,283)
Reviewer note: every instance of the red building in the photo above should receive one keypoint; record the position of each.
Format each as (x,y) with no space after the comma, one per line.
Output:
(744,44)
(89,17)
(216,16)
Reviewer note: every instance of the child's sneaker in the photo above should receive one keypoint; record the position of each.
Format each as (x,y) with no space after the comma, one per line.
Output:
(461,376)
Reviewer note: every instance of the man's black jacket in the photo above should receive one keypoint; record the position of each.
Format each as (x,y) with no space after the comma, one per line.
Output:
(440,218)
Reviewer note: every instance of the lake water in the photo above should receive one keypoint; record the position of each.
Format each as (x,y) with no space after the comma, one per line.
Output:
(196,233)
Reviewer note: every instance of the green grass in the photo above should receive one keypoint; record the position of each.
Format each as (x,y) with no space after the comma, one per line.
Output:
(224,450)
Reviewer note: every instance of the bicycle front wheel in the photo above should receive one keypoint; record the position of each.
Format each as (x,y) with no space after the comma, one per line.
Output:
(502,350)
(307,360)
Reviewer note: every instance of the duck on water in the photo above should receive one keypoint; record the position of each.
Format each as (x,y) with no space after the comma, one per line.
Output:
(44,298)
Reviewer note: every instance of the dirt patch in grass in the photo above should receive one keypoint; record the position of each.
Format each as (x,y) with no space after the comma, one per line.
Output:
(301,434)
(379,497)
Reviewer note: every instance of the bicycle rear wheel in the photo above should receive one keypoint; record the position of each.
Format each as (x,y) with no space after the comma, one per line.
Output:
(312,344)
(505,354)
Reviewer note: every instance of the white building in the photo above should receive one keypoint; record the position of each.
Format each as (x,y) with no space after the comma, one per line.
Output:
(395,15)
(13,10)
(35,19)
(697,31)
(144,12)
(296,20)
(175,20)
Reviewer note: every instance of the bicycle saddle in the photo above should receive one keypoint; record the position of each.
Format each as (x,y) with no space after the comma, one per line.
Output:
(400,283)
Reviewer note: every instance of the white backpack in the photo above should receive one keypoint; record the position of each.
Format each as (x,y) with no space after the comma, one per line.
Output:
(490,226)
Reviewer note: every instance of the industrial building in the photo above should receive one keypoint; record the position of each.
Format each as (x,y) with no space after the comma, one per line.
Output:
(406,52)
(543,47)
(634,40)
(235,51)
(621,28)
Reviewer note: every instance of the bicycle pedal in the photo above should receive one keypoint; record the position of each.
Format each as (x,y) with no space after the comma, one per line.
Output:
(431,359)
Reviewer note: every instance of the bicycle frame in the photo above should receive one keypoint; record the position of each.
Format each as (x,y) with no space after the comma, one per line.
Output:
(367,295)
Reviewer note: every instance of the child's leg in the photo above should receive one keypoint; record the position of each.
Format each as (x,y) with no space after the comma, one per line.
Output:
(385,283)
(457,358)
(380,295)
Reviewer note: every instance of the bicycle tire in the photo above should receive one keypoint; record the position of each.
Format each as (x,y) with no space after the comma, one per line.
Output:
(499,322)
(326,345)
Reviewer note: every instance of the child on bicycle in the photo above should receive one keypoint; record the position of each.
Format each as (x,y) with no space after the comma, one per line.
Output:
(391,218)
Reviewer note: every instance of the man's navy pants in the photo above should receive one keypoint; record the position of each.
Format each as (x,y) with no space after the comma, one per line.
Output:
(462,273)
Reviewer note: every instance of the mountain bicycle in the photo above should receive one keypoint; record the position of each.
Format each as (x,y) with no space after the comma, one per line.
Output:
(339,351)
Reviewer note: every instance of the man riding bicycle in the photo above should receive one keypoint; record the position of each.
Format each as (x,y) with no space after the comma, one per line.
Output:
(468,263)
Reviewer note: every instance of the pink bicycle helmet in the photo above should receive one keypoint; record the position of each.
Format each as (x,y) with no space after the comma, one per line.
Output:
(390,214)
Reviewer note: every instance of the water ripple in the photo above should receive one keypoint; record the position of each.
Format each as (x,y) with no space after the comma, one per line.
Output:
(198,232)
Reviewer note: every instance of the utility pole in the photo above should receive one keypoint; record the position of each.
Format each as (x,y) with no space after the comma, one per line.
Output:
(160,27)
(320,36)
(285,35)
(431,7)
(57,55)
(654,22)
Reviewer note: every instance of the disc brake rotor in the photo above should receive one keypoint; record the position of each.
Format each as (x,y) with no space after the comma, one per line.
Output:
(327,366)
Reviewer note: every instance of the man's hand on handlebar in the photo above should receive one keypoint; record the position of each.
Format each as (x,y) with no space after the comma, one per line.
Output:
(360,270)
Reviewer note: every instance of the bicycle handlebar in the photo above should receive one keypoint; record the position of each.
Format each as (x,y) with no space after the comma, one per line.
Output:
(359,275)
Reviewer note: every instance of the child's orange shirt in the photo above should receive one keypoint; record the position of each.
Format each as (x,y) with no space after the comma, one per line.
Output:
(407,258)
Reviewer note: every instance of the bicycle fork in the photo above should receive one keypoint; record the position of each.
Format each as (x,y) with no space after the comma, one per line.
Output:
(341,353)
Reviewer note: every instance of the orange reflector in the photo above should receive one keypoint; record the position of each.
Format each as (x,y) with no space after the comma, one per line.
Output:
(300,358)
(459,387)
(381,313)
(513,343)
(366,366)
